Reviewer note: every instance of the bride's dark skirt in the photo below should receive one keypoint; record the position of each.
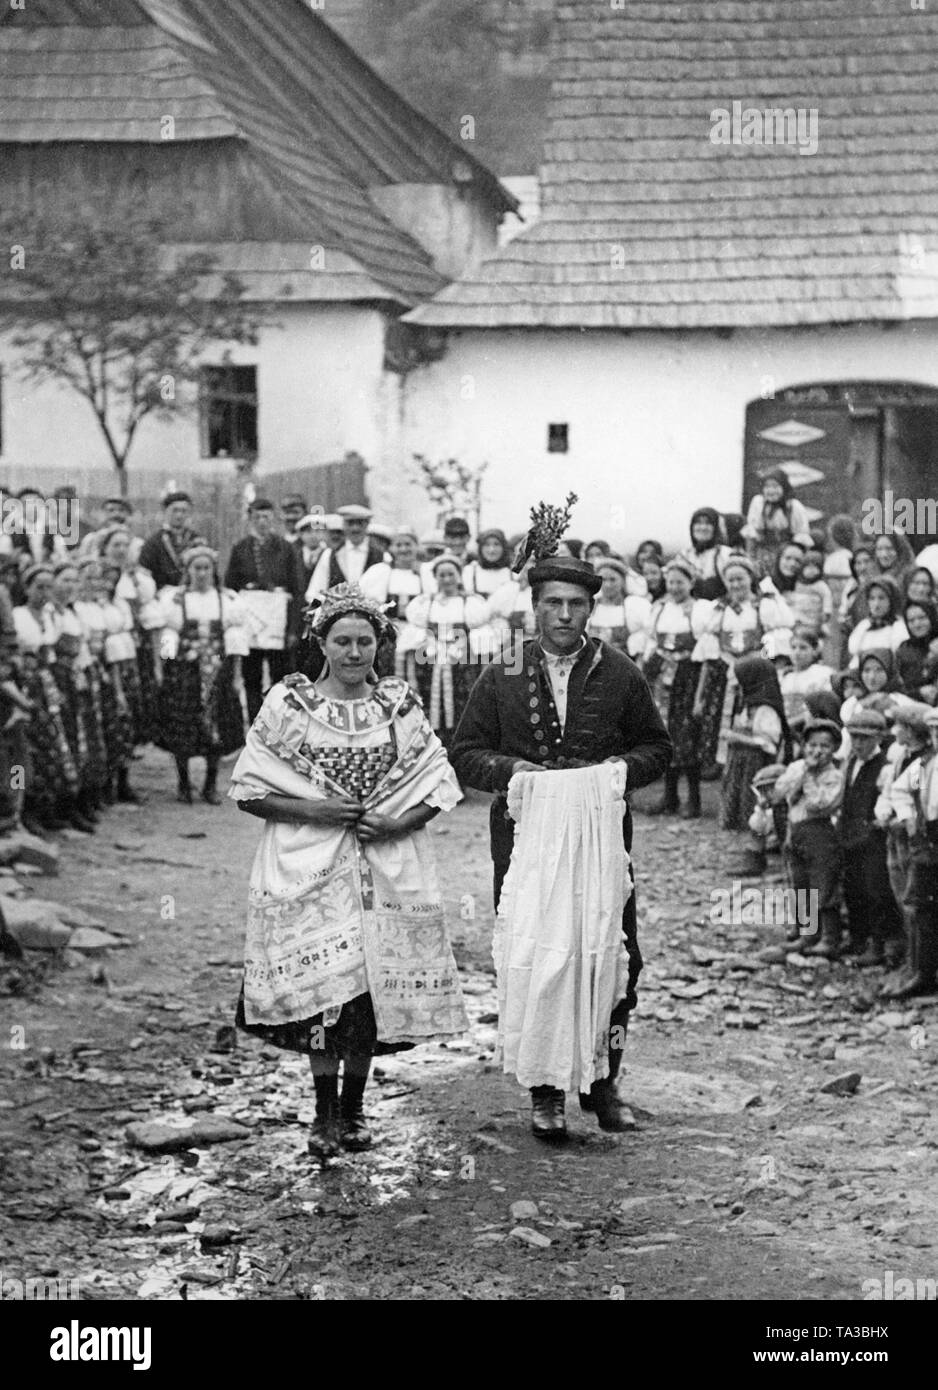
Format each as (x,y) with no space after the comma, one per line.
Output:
(355,1033)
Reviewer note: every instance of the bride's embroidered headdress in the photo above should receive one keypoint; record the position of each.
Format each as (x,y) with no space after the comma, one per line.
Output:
(345,598)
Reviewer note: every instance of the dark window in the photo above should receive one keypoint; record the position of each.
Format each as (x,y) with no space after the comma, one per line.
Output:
(228,401)
(558,439)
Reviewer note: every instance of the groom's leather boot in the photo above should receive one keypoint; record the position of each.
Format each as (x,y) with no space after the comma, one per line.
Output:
(603,1099)
(547,1120)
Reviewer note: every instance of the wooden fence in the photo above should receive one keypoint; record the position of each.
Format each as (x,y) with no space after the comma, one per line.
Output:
(219,503)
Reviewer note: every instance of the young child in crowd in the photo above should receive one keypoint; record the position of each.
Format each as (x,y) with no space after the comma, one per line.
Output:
(757,736)
(807,675)
(812,787)
(811,600)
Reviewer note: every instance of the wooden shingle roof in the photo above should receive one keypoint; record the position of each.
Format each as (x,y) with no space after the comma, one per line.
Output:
(647,223)
(320,126)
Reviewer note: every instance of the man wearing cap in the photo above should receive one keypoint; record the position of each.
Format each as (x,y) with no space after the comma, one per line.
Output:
(872,914)
(348,563)
(309,546)
(292,508)
(576,702)
(264,561)
(162,552)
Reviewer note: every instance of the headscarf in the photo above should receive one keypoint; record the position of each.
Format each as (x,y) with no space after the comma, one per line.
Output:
(890,588)
(931,612)
(839,681)
(918,569)
(758,685)
(711,515)
(777,475)
(785,583)
(860,550)
(887,661)
(654,545)
(504,560)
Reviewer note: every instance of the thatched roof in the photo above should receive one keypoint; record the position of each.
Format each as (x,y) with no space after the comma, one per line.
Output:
(646,223)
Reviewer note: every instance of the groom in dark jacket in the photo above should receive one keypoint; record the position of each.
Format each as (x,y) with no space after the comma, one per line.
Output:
(575,701)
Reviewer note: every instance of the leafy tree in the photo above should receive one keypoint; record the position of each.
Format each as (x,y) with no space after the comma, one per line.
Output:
(106,307)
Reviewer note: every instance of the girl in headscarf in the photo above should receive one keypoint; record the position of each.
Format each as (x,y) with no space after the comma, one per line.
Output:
(894,556)
(347,955)
(646,576)
(919,585)
(758,736)
(492,568)
(742,623)
(675,626)
(618,618)
(707,553)
(917,656)
(205,635)
(883,627)
(53,783)
(775,516)
(853,599)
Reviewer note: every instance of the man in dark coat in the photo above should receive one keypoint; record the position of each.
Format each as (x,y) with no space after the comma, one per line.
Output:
(264,560)
(575,702)
(162,552)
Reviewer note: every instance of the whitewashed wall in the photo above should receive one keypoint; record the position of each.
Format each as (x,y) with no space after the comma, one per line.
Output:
(656,420)
(320,392)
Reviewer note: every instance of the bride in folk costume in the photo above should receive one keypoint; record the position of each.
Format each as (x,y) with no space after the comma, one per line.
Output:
(347,954)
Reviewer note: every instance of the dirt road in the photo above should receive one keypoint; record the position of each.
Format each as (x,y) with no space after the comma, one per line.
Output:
(743,1179)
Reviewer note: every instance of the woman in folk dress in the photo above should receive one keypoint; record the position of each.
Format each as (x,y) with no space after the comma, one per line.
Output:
(394,584)
(138,587)
(87,607)
(347,954)
(446,665)
(72,659)
(123,704)
(52,782)
(744,623)
(618,617)
(675,626)
(205,635)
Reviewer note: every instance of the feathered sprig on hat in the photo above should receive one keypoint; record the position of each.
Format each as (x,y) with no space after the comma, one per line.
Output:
(547,527)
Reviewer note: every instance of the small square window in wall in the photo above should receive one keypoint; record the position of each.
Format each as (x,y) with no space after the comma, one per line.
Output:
(558,439)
